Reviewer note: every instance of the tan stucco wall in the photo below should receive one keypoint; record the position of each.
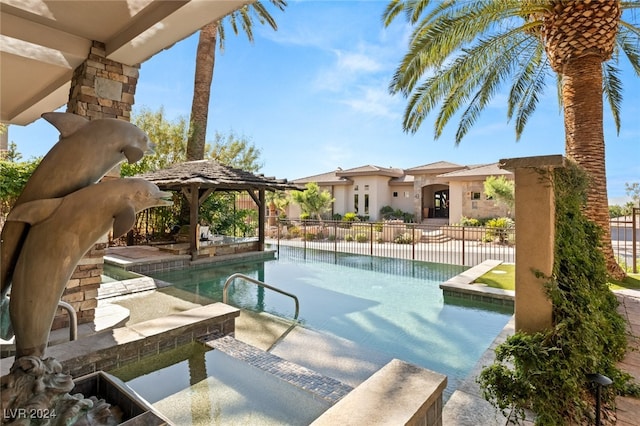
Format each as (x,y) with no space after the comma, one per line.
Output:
(402,202)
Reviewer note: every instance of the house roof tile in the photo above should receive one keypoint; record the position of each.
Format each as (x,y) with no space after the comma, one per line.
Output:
(211,174)
(476,171)
(437,168)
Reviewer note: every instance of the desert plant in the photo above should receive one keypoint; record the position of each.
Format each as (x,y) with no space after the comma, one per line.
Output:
(469,221)
(362,238)
(405,238)
(313,200)
(498,229)
(294,231)
(350,217)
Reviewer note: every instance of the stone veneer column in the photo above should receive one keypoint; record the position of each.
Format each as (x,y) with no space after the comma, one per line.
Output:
(535,238)
(100,88)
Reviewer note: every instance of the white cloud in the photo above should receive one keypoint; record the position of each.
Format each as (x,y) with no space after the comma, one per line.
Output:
(356,62)
(374,101)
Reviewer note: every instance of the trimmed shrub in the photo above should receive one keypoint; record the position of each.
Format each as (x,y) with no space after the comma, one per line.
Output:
(362,238)
(405,238)
(350,217)
(469,221)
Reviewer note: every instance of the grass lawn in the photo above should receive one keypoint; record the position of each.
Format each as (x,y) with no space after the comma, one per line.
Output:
(504,276)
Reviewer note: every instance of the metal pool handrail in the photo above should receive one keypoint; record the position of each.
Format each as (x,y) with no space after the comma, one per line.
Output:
(229,280)
(73,319)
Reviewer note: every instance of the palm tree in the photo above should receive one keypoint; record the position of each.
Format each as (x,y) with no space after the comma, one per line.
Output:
(211,35)
(313,201)
(461,52)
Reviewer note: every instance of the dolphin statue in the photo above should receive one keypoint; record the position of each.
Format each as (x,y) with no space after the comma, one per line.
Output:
(85,152)
(62,231)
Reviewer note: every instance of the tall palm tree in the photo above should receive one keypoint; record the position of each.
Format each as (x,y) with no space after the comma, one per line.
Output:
(211,35)
(462,52)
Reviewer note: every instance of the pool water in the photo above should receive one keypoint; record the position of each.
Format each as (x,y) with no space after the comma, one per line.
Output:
(392,306)
(193,386)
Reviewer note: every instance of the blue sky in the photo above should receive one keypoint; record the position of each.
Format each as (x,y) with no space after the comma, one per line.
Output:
(313,96)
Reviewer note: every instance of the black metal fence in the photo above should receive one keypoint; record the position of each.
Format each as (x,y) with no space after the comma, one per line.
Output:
(625,232)
(456,245)
(449,244)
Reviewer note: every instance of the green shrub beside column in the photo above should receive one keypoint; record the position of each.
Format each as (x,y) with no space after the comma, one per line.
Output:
(546,371)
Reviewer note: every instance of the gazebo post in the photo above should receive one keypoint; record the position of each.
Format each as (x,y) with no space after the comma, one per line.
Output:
(261,219)
(194,205)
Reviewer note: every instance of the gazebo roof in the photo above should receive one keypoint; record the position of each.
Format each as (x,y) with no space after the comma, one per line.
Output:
(211,174)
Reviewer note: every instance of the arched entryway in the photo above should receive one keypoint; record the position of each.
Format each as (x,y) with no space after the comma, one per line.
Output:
(435,201)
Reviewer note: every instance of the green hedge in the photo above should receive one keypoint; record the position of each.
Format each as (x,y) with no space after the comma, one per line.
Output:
(546,371)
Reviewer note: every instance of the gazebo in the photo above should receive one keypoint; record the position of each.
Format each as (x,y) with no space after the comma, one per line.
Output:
(197,180)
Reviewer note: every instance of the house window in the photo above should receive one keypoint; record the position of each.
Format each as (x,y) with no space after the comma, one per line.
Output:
(355,187)
(406,194)
(355,203)
(366,187)
(475,195)
(395,194)
(366,203)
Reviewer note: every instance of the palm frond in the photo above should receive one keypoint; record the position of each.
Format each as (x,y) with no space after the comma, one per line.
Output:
(391,12)
(530,60)
(450,27)
(473,77)
(245,17)
(612,89)
(530,97)
(629,43)
(500,68)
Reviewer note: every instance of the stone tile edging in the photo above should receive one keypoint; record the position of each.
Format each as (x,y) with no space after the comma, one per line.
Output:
(461,284)
(117,347)
(325,388)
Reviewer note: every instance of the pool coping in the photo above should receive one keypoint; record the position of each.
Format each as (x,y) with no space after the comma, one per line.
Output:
(463,285)
(157,261)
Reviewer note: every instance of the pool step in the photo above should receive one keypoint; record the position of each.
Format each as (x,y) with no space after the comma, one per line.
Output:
(344,360)
(325,388)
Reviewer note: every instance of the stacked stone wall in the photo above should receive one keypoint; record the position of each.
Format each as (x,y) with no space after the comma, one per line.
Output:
(100,88)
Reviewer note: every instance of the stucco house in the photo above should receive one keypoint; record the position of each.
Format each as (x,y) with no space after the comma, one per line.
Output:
(440,191)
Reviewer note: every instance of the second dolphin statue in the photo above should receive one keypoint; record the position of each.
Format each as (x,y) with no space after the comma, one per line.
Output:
(86,151)
(62,231)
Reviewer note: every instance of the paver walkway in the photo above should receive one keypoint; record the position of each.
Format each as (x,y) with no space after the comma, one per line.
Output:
(628,409)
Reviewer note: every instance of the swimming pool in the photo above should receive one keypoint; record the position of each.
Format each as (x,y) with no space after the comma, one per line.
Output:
(393,306)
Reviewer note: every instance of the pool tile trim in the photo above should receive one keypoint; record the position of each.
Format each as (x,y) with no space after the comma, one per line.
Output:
(117,347)
(325,388)
(462,285)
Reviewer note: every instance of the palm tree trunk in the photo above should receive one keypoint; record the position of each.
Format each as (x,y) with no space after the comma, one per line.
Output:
(205,61)
(584,143)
